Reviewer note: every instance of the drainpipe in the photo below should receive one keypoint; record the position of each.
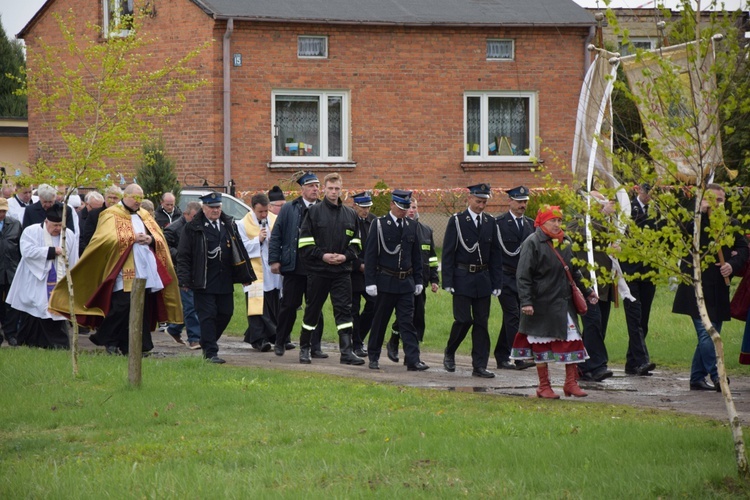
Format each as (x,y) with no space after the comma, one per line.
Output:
(227,103)
(586,53)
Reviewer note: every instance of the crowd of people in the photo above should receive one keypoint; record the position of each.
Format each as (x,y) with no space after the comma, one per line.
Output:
(313,249)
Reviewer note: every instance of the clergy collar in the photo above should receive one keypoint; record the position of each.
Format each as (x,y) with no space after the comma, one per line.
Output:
(130,210)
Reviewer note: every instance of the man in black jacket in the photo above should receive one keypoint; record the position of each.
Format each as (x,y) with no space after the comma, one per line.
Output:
(429,275)
(513,228)
(362,319)
(172,234)
(167,212)
(284,258)
(472,273)
(36,213)
(393,275)
(638,312)
(10,256)
(210,259)
(329,242)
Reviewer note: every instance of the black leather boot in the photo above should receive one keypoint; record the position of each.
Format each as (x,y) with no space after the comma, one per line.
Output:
(392,347)
(347,355)
(304,355)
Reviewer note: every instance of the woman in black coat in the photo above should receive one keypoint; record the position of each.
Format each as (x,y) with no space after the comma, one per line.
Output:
(548,331)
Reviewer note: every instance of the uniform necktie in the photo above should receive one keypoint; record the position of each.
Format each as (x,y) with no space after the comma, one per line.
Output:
(398,224)
(645,210)
(479,221)
(519,223)
(216,226)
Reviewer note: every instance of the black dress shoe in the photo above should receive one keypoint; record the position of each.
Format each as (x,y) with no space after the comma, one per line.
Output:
(482,372)
(289,346)
(449,363)
(319,355)
(374,365)
(645,368)
(360,352)
(587,376)
(419,367)
(392,352)
(216,360)
(278,349)
(13,342)
(267,346)
(702,386)
(506,365)
(601,374)
(522,364)
(304,356)
(717,384)
(113,350)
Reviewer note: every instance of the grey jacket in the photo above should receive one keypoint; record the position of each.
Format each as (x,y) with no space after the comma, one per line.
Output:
(543,284)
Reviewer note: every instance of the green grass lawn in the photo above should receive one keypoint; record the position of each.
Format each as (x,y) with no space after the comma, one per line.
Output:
(195,430)
(671,339)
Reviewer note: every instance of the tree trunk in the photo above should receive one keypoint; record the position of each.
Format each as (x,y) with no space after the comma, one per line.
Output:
(734,422)
(72,335)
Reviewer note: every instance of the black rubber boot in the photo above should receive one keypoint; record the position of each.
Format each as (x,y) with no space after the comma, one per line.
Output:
(347,355)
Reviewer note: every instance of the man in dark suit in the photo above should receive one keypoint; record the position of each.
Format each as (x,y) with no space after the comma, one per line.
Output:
(513,228)
(472,272)
(112,196)
(393,275)
(637,313)
(362,319)
(36,213)
(429,275)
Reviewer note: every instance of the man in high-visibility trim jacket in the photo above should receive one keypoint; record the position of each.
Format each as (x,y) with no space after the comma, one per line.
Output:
(329,241)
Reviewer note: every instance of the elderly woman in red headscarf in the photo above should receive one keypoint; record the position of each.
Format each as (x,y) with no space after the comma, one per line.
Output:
(548,330)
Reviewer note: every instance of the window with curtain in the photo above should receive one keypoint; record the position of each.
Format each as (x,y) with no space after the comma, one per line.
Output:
(500,126)
(312,46)
(500,50)
(310,126)
(117,17)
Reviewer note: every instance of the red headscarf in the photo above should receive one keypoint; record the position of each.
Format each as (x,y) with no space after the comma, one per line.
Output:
(546,213)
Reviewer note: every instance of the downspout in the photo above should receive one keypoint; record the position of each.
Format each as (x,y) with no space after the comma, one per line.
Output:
(227,103)
(586,53)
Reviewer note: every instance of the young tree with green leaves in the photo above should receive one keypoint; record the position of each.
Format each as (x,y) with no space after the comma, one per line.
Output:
(156,173)
(688,99)
(103,97)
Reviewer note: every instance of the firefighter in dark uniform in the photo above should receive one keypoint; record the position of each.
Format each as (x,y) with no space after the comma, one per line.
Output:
(329,242)
(393,275)
(362,319)
(513,227)
(472,272)
(210,259)
(284,259)
(429,275)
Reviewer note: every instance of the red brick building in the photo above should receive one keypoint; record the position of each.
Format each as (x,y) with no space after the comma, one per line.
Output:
(419,93)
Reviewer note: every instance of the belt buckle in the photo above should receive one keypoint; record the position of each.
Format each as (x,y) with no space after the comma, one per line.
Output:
(402,275)
(472,268)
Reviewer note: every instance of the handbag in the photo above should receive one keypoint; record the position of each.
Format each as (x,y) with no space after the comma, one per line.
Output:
(579,302)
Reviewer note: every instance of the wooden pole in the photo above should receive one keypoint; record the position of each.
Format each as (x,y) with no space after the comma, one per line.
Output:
(135,329)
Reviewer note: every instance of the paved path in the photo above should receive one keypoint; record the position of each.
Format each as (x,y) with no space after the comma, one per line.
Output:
(665,389)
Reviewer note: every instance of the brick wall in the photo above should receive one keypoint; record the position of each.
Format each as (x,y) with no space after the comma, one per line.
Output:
(406,87)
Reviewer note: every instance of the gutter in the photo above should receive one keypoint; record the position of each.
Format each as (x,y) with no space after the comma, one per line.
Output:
(227,102)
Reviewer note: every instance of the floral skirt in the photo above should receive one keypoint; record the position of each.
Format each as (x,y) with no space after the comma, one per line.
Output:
(550,350)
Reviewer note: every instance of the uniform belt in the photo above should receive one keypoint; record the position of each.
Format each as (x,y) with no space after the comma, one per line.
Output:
(398,274)
(472,268)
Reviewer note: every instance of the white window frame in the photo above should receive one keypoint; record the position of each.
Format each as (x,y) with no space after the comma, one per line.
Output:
(512,50)
(323,96)
(625,49)
(483,135)
(323,37)
(110,18)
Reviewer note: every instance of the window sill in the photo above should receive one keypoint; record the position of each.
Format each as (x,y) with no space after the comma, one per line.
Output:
(491,166)
(317,165)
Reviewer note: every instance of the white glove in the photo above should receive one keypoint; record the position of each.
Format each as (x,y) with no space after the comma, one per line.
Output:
(372,290)
(496,292)
(450,289)
(418,289)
